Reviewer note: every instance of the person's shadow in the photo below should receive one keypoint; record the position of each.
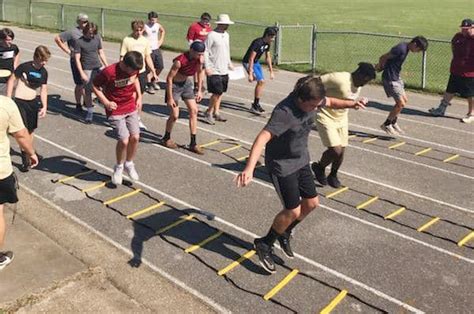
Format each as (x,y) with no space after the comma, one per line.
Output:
(405,111)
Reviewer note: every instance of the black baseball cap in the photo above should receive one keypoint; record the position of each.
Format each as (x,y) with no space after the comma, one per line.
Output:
(198,46)
(467,23)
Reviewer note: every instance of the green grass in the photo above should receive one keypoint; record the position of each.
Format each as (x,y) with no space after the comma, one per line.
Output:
(431,18)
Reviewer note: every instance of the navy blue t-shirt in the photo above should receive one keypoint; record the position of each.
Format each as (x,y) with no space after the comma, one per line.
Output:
(393,66)
(259,46)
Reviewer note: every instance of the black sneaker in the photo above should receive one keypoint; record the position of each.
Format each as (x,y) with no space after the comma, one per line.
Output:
(264,252)
(79,108)
(285,245)
(5,259)
(319,173)
(259,108)
(254,109)
(334,181)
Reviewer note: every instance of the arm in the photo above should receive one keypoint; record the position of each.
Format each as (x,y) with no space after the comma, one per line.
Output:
(251,63)
(150,65)
(382,60)
(138,93)
(16,61)
(44,100)
(161,37)
(103,58)
(110,105)
(77,56)
(62,45)
(23,139)
(169,83)
(337,103)
(207,58)
(123,49)
(190,35)
(200,78)
(268,58)
(10,84)
(246,176)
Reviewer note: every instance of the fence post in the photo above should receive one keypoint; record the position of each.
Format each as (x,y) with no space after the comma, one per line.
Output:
(62,17)
(3,10)
(30,13)
(313,51)
(278,44)
(102,22)
(423,70)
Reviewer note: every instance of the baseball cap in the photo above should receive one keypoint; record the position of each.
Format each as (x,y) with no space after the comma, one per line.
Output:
(467,23)
(198,46)
(82,17)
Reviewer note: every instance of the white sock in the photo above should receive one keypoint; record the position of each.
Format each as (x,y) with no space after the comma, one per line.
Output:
(128,163)
(90,109)
(119,165)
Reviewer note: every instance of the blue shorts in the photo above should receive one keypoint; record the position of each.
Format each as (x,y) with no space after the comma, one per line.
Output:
(257,71)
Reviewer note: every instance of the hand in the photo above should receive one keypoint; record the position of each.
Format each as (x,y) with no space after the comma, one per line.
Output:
(208,72)
(172,103)
(251,76)
(244,178)
(361,103)
(139,104)
(378,68)
(110,105)
(199,96)
(42,112)
(33,160)
(272,75)
(231,67)
(84,78)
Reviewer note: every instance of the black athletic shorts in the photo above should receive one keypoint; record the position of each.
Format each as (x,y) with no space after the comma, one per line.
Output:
(76,76)
(8,189)
(217,84)
(464,86)
(157,58)
(29,112)
(292,188)
(142,79)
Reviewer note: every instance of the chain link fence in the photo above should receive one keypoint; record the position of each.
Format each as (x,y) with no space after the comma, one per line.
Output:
(303,47)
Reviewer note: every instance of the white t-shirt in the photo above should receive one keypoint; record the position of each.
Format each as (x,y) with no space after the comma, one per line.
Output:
(217,54)
(152,33)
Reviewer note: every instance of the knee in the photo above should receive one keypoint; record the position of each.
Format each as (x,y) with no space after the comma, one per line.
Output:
(260,83)
(193,113)
(313,203)
(173,116)
(134,138)
(337,151)
(400,103)
(123,141)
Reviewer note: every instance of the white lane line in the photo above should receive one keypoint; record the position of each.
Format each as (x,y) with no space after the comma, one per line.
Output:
(127,251)
(250,144)
(242,230)
(323,206)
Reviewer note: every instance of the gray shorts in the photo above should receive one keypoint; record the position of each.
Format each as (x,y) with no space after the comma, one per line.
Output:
(3,89)
(395,89)
(125,124)
(183,90)
(91,74)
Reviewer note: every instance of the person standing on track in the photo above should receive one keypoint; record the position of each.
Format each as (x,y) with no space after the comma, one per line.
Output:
(179,84)
(391,64)
(137,42)
(9,57)
(118,88)
(10,123)
(65,41)
(333,124)
(461,78)
(217,64)
(155,33)
(257,48)
(28,77)
(89,58)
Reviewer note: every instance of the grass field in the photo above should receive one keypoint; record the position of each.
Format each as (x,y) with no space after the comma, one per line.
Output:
(434,19)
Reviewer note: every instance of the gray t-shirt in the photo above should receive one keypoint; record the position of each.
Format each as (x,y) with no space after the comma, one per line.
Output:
(89,50)
(287,151)
(70,37)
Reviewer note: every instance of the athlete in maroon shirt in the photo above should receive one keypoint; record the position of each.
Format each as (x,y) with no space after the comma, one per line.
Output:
(199,30)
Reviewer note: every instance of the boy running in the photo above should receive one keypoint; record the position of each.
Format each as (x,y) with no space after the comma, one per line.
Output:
(179,84)
(28,77)
(9,56)
(251,63)
(391,64)
(137,42)
(333,124)
(118,88)
(89,58)
(155,33)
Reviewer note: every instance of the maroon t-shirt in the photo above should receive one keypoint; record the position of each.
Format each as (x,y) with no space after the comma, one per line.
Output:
(463,55)
(117,87)
(188,67)
(198,32)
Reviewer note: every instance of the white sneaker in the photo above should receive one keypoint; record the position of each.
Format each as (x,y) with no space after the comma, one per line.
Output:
(209,118)
(141,125)
(89,116)
(117,176)
(389,129)
(131,171)
(156,86)
(397,128)
(468,119)
(5,259)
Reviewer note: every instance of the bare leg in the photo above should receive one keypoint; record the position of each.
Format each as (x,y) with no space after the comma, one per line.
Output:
(121,151)
(132,146)
(174,115)
(397,109)
(470,103)
(2,226)
(192,110)
(78,92)
(259,89)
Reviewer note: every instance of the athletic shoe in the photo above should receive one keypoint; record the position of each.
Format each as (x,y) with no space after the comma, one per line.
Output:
(334,181)
(141,125)
(284,241)
(89,116)
(156,86)
(196,149)
(257,109)
(319,173)
(265,252)
(169,143)
(79,108)
(150,90)
(260,109)
(131,171)
(468,119)
(219,118)
(389,129)
(437,112)
(209,118)
(397,128)
(117,176)
(5,259)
